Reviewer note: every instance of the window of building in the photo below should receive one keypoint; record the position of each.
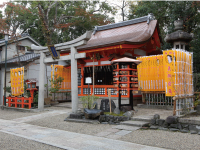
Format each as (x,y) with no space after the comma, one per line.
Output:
(21,48)
(181,46)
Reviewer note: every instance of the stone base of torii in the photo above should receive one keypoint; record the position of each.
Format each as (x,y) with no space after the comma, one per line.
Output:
(73,56)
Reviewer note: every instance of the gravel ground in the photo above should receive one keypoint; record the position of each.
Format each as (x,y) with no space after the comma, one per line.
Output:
(57,122)
(162,112)
(193,117)
(12,142)
(165,139)
(13,114)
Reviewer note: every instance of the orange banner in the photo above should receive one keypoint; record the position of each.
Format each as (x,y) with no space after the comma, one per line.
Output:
(65,73)
(17,81)
(151,73)
(170,72)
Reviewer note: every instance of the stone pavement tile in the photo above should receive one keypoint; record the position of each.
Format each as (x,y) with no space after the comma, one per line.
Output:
(112,130)
(123,132)
(124,127)
(134,123)
(114,136)
(104,133)
(142,118)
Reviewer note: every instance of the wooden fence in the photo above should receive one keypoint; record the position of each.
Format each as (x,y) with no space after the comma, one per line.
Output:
(181,105)
(19,102)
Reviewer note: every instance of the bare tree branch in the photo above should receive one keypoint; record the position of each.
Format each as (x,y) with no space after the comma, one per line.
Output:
(49,8)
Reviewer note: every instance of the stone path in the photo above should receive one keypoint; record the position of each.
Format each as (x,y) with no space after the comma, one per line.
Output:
(67,140)
(70,140)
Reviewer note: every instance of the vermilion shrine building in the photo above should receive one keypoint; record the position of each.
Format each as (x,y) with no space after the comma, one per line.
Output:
(133,38)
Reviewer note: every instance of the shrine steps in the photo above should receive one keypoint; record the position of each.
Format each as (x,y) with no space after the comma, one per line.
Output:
(135,123)
(138,121)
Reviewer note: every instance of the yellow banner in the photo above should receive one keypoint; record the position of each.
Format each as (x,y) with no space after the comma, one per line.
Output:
(170,72)
(170,63)
(17,81)
(61,71)
(178,73)
(151,73)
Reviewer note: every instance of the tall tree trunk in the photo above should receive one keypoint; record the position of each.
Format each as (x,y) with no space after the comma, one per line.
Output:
(45,25)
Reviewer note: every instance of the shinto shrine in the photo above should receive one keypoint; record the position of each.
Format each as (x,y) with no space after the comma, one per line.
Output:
(133,38)
(155,78)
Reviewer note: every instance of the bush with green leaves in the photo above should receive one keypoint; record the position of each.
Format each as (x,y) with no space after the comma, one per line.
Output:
(8,89)
(87,101)
(56,82)
(35,99)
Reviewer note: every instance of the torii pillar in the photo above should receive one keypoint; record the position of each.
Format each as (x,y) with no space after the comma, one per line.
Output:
(74,80)
(74,55)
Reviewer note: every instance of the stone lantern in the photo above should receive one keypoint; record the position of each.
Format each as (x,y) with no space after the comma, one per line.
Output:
(179,38)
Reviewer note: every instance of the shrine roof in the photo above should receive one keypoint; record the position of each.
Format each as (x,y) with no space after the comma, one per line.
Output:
(135,31)
(31,80)
(126,59)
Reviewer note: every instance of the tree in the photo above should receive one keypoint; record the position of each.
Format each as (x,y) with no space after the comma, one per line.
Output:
(58,21)
(14,18)
(166,12)
(56,82)
(122,8)
(66,20)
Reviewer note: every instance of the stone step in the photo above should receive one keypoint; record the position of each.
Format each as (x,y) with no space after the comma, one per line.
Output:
(134,123)
(142,118)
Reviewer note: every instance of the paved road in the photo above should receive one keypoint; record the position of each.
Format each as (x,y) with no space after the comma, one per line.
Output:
(64,139)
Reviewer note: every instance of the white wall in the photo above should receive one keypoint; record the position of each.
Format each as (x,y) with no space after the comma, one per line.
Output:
(12,51)
(33,72)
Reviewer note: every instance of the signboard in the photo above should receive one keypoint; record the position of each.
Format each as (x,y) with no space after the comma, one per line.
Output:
(88,80)
(169,59)
(53,52)
(178,73)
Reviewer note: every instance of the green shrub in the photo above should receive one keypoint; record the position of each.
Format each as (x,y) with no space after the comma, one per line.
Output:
(55,85)
(197,102)
(87,101)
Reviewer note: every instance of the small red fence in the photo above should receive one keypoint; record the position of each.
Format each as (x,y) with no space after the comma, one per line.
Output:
(19,102)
